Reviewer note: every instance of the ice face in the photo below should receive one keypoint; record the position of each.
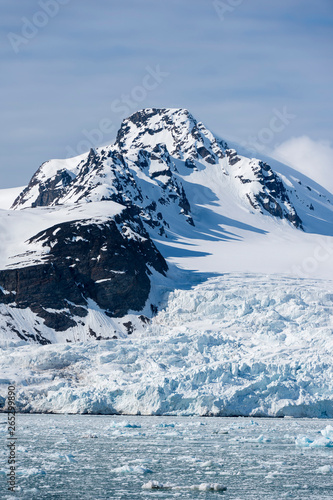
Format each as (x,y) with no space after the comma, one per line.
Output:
(234,345)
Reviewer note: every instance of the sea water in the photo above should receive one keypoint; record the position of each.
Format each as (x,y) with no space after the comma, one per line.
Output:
(118,457)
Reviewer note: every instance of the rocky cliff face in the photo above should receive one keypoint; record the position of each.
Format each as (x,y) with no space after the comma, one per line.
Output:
(107,263)
(270,195)
(145,167)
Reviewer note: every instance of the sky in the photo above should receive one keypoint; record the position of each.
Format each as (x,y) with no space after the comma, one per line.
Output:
(256,72)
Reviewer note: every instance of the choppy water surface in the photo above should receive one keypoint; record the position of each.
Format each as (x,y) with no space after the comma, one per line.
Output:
(113,457)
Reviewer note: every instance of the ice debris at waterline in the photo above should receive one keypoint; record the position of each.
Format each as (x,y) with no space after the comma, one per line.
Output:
(156,485)
(234,345)
(325,440)
(114,466)
(325,469)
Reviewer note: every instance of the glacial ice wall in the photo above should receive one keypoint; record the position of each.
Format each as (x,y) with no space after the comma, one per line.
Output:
(235,345)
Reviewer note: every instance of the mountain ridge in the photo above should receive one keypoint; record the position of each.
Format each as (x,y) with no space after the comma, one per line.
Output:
(166,181)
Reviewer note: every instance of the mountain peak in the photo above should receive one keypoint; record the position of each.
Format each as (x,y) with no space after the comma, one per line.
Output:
(161,161)
(176,128)
(168,115)
(155,120)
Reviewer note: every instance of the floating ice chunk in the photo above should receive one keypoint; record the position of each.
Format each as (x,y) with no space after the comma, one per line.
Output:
(124,434)
(32,471)
(303,441)
(321,442)
(262,439)
(326,469)
(328,432)
(32,492)
(156,485)
(124,423)
(22,449)
(273,474)
(62,442)
(164,424)
(173,434)
(209,487)
(209,463)
(193,460)
(132,469)
(68,458)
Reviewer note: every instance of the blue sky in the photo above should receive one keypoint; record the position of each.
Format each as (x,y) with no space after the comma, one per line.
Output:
(232,63)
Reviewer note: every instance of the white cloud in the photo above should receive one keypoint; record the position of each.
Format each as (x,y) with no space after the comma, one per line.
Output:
(312,158)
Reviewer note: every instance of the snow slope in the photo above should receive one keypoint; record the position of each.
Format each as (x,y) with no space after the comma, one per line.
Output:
(234,345)
(17,227)
(8,196)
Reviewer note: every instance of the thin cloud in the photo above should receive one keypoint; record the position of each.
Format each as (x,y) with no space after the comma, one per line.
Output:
(312,158)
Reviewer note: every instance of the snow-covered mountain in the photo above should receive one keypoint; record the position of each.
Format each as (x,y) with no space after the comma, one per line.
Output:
(151,165)
(87,244)
(204,274)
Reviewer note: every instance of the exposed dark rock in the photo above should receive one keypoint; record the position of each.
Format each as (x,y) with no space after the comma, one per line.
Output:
(273,196)
(49,190)
(129,327)
(232,156)
(190,164)
(99,337)
(243,180)
(154,309)
(206,155)
(144,319)
(105,262)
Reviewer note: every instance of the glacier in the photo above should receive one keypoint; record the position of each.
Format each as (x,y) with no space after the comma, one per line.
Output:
(249,345)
